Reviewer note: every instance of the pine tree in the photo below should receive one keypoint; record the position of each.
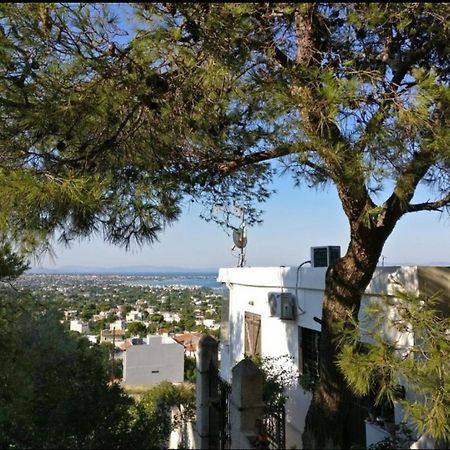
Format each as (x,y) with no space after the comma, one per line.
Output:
(103,132)
(420,363)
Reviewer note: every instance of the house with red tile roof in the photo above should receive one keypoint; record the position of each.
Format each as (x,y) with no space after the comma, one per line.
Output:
(189,341)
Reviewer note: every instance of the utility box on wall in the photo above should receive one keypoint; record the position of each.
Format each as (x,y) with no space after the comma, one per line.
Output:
(282,305)
(287,306)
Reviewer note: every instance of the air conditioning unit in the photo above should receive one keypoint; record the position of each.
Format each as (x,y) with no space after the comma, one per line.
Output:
(324,256)
(282,305)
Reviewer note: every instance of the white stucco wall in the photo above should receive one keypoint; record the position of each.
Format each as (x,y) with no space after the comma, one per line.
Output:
(79,326)
(161,359)
(249,292)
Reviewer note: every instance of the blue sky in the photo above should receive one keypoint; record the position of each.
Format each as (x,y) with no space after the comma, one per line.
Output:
(295,219)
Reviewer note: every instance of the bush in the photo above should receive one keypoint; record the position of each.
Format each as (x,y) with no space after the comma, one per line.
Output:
(54,388)
(190,369)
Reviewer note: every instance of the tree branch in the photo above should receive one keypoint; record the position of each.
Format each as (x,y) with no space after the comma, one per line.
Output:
(403,68)
(266,23)
(398,203)
(319,169)
(430,206)
(283,59)
(225,168)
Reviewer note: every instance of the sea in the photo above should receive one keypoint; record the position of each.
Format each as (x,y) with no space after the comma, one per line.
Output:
(208,280)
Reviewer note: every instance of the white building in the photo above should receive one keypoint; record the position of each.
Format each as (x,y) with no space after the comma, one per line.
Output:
(211,323)
(171,317)
(92,338)
(272,311)
(159,359)
(112,336)
(101,315)
(132,316)
(79,326)
(118,324)
(70,313)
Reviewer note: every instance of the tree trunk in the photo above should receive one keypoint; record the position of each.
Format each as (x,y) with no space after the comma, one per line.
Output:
(330,419)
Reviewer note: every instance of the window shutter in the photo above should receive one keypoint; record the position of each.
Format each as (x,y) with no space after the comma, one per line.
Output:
(252,334)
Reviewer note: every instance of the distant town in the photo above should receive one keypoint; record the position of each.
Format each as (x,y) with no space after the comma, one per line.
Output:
(122,310)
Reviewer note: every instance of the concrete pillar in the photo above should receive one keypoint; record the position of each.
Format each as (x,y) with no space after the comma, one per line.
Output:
(207,394)
(247,407)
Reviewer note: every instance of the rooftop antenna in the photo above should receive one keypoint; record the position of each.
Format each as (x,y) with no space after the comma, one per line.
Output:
(240,240)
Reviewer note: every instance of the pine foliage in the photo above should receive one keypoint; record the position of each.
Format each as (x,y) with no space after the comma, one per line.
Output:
(420,363)
(109,128)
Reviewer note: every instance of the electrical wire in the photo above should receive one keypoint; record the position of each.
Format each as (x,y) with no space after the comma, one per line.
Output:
(296,285)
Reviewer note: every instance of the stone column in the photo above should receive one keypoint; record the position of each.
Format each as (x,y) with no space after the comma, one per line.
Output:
(207,394)
(247,407)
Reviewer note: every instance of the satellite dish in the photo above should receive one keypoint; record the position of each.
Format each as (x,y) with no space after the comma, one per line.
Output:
(239,238)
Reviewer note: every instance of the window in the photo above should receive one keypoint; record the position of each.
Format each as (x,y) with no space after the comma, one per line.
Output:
(309,352)
(252,334)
